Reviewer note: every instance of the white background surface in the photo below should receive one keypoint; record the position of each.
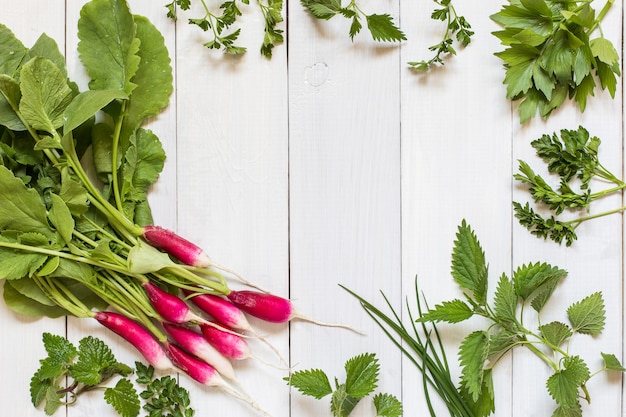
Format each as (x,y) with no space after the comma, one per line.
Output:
(333,163)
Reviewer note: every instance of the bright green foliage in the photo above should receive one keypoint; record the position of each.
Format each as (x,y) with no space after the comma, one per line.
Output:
(551,54)
(163,396)
(469,268)
(572,156)
(123,397)
(531,284)
(361,380)
(381,26)
(457,28)
(218,22)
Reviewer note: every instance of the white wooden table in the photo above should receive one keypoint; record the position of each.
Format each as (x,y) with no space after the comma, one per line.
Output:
(333,163)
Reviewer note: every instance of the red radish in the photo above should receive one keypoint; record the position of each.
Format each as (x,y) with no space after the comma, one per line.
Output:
(228,344)
(222,310)
(177,246)
(169,306)
(138,336)
(196,344)
(206,374)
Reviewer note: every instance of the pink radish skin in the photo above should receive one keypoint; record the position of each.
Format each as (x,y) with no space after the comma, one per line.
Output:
(138,336)
(195,368)
(222,310)
(264,306)
(170,307)
(197,345)
(228,344)
(180,248)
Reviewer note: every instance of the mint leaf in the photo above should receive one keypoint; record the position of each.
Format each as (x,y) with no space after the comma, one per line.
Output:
(449,311)
(555,333)
(94,357)
(313,382)
(123,397)
(588,315)
(387,405)
(361,375)
(469,268)
(60,353)
(612,363)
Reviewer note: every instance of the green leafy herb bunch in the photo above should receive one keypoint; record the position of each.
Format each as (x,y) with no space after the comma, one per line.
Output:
(530,285)
(552,53)
(571,156)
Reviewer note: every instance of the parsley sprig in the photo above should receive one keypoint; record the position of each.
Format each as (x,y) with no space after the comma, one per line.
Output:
(361,380)
(91,366)
(457,27)
(552,53)
(381,26)
(530,285)
(572,156)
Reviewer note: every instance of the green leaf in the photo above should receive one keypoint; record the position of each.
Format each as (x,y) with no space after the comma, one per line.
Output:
(575,411)
(123,397)
(28,287)
(12,52)
(612,363)
(61,217)
(10,96)
(144,258)
(453,311)
(312,382)
(469,268)
(322,9)
(54,399)
(108,47)
(604,50)
(28,307)
(505,300)
(472,356)
(529,278)
(519,79)
(94,356)
(484,405)
(387,405)
(555,333)
(45,95)
(86,104)
(361,375)
(73,193)
(342,404)
(543,294)
(563,384)
(60,353)
(16,264)
(588,315)
(382,28)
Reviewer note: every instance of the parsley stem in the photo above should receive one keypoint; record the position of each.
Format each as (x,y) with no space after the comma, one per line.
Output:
(576,222)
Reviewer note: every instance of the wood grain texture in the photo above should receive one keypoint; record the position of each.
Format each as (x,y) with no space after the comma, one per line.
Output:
(334,163)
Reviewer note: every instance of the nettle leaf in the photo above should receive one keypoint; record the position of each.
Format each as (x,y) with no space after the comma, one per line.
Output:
(588,315)
(12,52)
(322,9)
(500,342)
(124,398)
(472,356)
(563,385)
(575,411)
(313,382)
(387,405)
(469,268)
(505,300)
(341,403)
(543,294)
(453,311)
(361,375)
(555,332)
(382,28)
(108,47)
(484,405)
(529,278)
(153,79)
(612,363)
(45,94)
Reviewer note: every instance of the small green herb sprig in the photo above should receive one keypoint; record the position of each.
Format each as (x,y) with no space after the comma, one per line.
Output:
(361,380)
(573,157)
(89,367)
(551,53)
(219,22)
(457,27)
(381,26)
(530,285)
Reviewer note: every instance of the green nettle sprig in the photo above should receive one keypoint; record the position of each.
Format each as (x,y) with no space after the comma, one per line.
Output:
(573,157)
(218,22)
(381,26)
(530,285)
(552,54)
(361,380)
(457,27)
(90,367)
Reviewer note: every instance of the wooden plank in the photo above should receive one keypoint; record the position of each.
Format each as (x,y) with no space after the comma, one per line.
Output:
(344,153)
(21,343)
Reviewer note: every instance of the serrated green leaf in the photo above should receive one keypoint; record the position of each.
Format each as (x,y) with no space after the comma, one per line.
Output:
(529,278)
(484,405)
(387,405)
(612,363)
(123,397)
(53,399)
(588,315)
(312,382)
(563,385)
(472,356)
(361,375)
(555,333)
(453,311)
(108,46)
(469,268)
(94,356)
(342,404)
(38,389)
(543,294)
(382,28)
(505,300)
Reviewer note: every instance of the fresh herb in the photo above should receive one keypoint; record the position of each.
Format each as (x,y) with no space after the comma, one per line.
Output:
(573,158)
(163,396)
(361,380)
(381,26)
(218,22)
(531,285)
(552,54)
(423,346)
(457,27)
